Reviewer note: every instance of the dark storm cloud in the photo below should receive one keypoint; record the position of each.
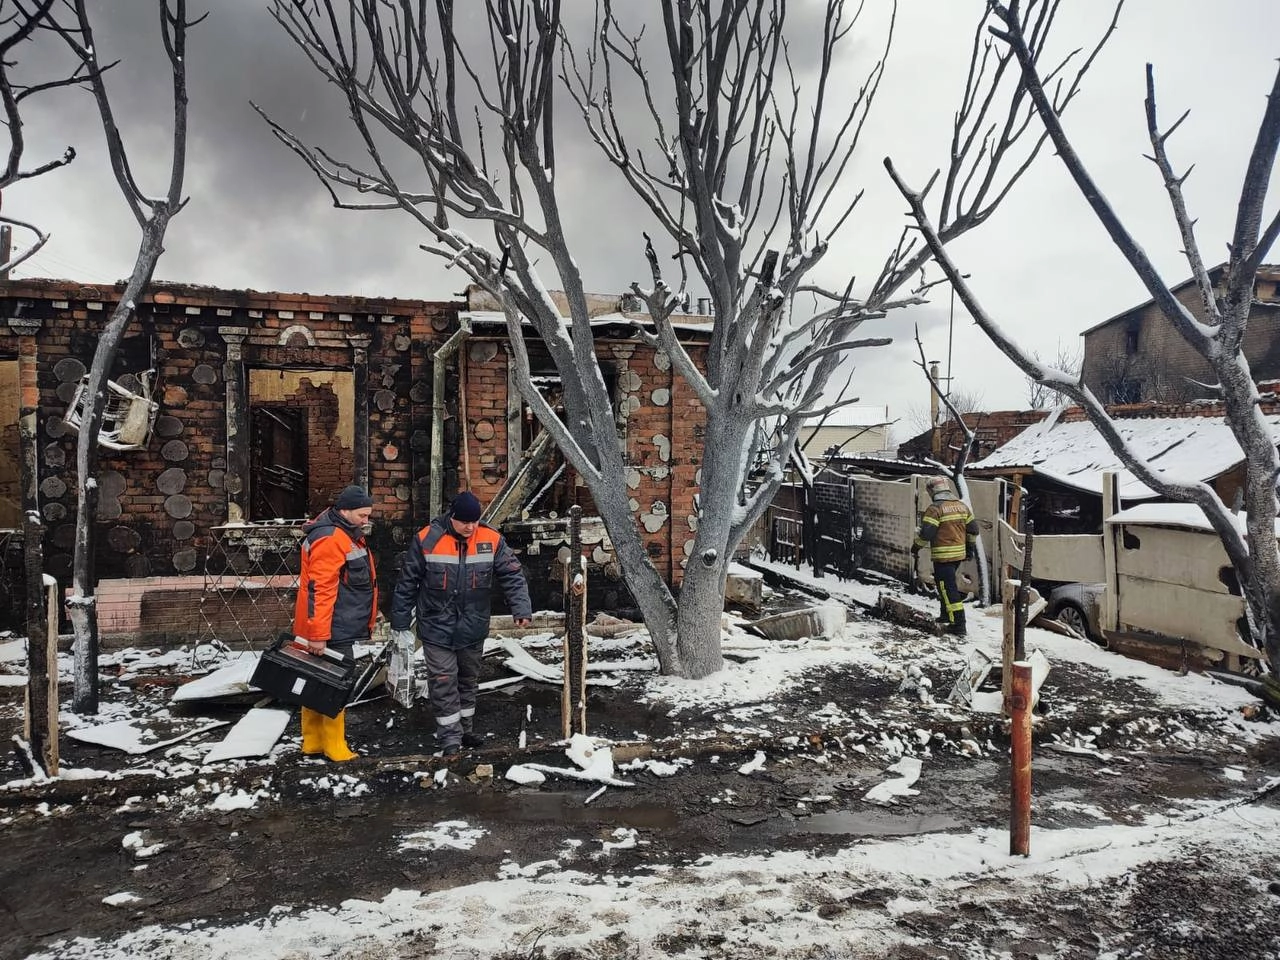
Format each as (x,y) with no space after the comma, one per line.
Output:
(258,218)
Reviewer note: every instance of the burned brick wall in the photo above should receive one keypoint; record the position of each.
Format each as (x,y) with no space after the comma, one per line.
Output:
(194,349)
(660,421)
(308,393)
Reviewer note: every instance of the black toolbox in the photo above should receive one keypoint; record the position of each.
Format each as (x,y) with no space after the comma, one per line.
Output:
(290,674)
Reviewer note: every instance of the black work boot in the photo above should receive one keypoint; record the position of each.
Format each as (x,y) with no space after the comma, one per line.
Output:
(472,740)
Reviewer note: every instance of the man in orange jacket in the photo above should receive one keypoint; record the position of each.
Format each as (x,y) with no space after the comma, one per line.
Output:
(446,581)
(337,602)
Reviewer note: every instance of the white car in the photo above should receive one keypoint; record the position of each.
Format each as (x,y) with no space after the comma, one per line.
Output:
(1078,606)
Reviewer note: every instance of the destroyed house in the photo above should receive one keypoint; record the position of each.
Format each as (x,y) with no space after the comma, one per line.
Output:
(1138,355)
(1060,462)
(234,415)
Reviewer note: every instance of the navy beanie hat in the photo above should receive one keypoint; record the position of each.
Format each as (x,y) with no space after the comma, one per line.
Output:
(466,508)
(352,498)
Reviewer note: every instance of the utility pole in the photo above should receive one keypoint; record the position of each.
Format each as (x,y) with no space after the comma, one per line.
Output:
(935,436)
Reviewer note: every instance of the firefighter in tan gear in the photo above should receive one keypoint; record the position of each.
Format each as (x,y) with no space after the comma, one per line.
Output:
(337,603)
(948,529)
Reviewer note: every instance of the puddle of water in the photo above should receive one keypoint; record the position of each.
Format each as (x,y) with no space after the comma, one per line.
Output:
(870,824)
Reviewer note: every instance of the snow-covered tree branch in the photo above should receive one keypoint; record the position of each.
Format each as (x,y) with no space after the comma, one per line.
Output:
(1218,336)
(739,152)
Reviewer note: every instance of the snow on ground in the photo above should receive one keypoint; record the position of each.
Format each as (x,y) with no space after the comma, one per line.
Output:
(763,906)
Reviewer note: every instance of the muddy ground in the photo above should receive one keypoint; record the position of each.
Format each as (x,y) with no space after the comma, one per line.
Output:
(315,839)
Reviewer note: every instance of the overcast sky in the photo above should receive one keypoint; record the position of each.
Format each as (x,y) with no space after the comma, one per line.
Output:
(1042,265)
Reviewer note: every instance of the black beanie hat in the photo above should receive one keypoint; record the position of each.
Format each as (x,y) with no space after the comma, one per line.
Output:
(352,498)
(466,508)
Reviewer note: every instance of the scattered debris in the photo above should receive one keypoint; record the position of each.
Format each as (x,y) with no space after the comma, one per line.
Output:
(122,899)
(902,613)
(144,734)
(229,681)
(886,793)
(915,681)
(594,760)
(979,685)
(141,844)
(253,735)
(821,621)
(525,775)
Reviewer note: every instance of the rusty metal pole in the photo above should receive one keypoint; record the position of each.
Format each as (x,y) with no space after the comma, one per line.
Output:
(1020,761)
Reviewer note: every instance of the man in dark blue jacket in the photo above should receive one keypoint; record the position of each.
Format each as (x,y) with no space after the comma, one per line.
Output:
(446,581)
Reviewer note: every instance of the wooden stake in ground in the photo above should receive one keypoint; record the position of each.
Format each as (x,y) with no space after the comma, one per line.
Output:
(40,726)
(573,703)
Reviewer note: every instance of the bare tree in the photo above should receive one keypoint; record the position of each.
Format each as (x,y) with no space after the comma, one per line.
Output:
(1218,338)
(19,23)
(1069,361)
(739,159)
(21,79)
(153,215)
(959,403)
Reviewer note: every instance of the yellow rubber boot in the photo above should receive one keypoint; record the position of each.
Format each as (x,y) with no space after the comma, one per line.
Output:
(312,732)
(334,738)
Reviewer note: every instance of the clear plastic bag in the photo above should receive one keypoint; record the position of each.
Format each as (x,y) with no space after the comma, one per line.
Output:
(400,680)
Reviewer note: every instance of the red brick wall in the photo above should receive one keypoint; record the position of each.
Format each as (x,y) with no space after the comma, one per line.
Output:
(143,532)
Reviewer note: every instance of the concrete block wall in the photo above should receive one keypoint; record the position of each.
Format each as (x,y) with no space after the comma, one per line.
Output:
(887,511)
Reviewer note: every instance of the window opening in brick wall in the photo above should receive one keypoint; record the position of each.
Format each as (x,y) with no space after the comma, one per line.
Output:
(1131,338)
(278,463)
(10,448)
(301,440)
(1127,390)
(546,379)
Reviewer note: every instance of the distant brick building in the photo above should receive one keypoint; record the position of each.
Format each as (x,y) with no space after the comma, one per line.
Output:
(1138,356)
(269,403)
(992,430)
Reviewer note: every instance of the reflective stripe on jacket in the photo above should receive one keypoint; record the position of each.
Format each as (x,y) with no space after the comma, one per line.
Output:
(947,527)
(447,581)
(337,585)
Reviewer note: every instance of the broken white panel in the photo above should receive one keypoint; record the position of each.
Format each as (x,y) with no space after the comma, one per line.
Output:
(521,662)
(992,701)
(253,735)
(886,794)
(229,681)
(144,734)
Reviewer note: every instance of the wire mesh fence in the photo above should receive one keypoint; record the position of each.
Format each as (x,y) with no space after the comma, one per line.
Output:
(250,584)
